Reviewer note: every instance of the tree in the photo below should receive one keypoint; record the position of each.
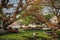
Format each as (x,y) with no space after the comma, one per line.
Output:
(56,6)
(5,19)
(39,16)
(34,8)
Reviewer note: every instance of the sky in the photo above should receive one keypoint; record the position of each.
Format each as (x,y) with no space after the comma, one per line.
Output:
(13,1)
(46,10)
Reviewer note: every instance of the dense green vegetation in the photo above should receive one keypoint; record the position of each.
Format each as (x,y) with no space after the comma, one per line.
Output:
(27,20)
(49,16)
(28,33)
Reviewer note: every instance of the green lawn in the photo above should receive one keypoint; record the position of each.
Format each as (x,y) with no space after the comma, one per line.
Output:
(21,35)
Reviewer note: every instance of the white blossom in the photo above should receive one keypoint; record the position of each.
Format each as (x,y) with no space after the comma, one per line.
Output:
(54,20)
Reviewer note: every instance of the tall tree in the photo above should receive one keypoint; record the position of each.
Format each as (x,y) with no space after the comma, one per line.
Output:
(8,21)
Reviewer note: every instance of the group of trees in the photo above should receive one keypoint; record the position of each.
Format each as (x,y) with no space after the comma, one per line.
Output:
(6,21)
(32,7)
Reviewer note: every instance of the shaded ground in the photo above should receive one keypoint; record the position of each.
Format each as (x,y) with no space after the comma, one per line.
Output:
(25,35)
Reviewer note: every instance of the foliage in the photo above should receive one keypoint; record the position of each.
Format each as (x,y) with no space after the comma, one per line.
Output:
(26,20)
(22,33)
(48,16)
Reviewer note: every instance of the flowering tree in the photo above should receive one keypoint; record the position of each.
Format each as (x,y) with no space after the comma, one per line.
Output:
(32,7)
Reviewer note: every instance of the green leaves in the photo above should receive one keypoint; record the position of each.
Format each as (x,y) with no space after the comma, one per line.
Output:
(26,20)
(48,16)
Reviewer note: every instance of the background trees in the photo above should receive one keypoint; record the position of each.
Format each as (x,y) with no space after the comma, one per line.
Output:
(33,7)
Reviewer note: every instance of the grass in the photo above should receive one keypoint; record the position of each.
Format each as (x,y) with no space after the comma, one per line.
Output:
(22,33)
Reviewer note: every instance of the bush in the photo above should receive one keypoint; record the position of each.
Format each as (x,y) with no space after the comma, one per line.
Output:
(48,16)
